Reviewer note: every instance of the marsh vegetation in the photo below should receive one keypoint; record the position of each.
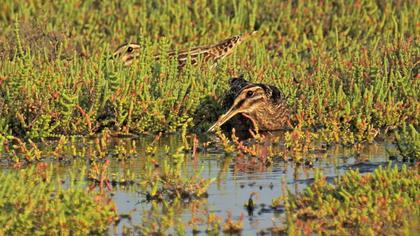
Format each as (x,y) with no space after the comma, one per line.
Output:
(88,145)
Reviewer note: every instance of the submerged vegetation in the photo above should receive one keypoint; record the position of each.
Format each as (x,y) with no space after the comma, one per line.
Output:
(383,202)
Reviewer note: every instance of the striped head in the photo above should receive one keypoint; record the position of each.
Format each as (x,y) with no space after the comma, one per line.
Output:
(127,53)
(249,102)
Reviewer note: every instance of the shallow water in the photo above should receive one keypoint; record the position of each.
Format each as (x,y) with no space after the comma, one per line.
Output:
(232,187)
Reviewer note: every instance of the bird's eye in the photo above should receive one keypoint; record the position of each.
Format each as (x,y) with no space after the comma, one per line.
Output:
(130,49)
(249,93)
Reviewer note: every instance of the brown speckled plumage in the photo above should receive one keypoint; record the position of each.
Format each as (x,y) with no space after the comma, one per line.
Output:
(263,105)
(215,52)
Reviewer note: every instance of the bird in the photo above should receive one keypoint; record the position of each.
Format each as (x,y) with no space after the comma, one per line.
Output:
(214,52)
(263,105)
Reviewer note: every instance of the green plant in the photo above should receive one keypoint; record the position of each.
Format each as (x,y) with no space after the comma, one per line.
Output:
(382,202)
(32,201)
(349,69)
(167,182)
(408,142)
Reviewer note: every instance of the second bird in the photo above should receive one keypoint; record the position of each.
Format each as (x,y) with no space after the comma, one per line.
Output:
(127,53)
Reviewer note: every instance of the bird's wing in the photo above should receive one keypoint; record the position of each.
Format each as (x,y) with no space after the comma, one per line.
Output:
(272,92)
(236,85)
(212,52)
(207,53)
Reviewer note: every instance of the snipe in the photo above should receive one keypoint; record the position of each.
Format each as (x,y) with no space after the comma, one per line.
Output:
(263,105)
(214,52)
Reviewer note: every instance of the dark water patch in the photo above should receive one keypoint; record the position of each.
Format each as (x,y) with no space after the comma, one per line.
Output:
(364,166)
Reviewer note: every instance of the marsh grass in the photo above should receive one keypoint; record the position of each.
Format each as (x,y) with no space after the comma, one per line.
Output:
(349,69)
(33,201)
(163,180)
(408,143)
(383,202)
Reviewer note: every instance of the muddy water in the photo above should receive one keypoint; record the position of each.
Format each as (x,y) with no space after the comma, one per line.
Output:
(232,188)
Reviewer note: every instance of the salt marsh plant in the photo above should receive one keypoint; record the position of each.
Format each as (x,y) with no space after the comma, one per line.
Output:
(161,218)
(349,69)
(166,180)
(34,202)
(383,202)
(408,143)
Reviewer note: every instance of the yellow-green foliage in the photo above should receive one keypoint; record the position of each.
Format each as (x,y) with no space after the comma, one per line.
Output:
(408,142)
(347,67)
(32,202)
(167,179)
(384,202)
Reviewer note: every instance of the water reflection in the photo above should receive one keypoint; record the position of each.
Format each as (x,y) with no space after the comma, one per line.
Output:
(236,179)
(234,185)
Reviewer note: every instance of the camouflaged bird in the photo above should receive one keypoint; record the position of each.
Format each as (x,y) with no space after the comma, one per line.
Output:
(215,52)
(263,105)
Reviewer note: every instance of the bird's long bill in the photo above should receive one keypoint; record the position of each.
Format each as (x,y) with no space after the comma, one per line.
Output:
(224,118)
